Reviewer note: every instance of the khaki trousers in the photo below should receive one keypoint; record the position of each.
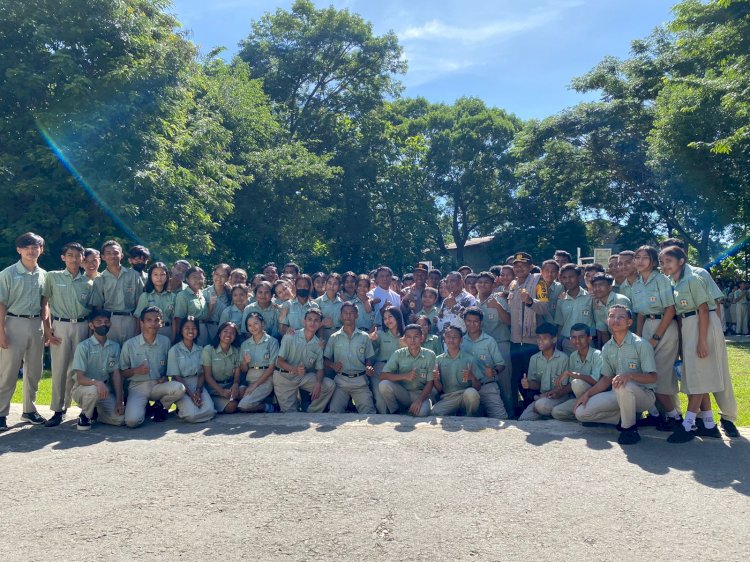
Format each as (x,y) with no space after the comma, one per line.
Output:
(25,346)
(489,396)
(71,334)
(396,396)
(564,411)
(359,390)
(466,401)
(123,328)
(87,398)
(286,386)
(622,404)
(259,394)
(139,393)
(541,407)
(191,413)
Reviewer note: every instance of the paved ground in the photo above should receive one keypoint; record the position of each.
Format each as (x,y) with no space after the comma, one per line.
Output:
(324,487)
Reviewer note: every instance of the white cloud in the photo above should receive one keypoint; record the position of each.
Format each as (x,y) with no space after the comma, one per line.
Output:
(475,34)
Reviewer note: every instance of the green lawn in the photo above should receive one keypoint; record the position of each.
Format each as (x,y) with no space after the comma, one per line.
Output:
(739,366)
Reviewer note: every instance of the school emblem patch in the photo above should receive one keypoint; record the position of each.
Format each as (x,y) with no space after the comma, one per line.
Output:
(631,366)
(111,364)
(684,302)
(652,299)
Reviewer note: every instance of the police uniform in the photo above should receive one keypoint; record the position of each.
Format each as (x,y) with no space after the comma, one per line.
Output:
(626,403)
(259,357)
(486,353)
(97,362)
(545,371)
(270,318)
(591,365)
(165,302)
(118,295)
(68,296)
(223,364)
(186,363)
(143,388)
(384,346)
(458,395)
(571,311)
(21,292)
(352,352)
(295,350)
(404,393)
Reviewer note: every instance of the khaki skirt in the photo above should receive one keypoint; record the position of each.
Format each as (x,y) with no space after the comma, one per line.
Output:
(707,375)
(665,355)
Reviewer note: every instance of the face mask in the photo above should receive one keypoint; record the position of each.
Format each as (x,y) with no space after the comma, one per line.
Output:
(304,293)
(139,267)
(101,330)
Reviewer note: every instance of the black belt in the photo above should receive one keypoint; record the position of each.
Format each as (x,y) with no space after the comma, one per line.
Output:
(71,320)
(687,314)
(118,313)
(22,315)
(653,316)
(212,322)
(283,371)
(488,382)
(260,367)
(355,375)
(166,324)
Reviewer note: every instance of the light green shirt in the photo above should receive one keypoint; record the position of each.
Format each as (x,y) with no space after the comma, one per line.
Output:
(690,292)
(545,371)
(260,354)
(625,289)
(295,349)
(164,300)
(352,352)
(402,362)
(634,356)
(601,311)
(221,303)
(365,320)
(385,345)
(491,323)
(21,290)
(117,294)
(571,311)
(452,370)
(591,366)
(232,314)
(485,351)
(432,314)
(711,286)
(96,361)
(554,292)
(270,318)
(295,317)
(187,303)
(68,295)
(184,362)
(331,309)
(652,296)
(222,363)
(136,350)
(433,343)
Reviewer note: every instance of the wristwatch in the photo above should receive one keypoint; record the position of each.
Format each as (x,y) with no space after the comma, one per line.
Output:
(656,337)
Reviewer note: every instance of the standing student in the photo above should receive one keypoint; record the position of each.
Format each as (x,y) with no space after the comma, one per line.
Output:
(385,341)
(704,355)
(604,298)
(300,367)
(91,262)
(292,314)
(348,286)
(349,353)
(156,293)
(550,274)
(235,311)
(318,285)
(739,299)
(97,383)
(583,371)
(258,354)
(117,290)
(626,268)
(138,257)
(271,272)
(456,382)
(264,306)
(218,297)
(191,302)
(221,368)
(143,361)
(653,302)
(330,305)
(575,306)
(406,380)
(365,306)
(545,369)
(184,366)
(237,276)
(67,292)
(177,276)
(23,321)
(628,367)
(561,257)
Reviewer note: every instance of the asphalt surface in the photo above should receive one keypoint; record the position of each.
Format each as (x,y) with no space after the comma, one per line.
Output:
(347,487)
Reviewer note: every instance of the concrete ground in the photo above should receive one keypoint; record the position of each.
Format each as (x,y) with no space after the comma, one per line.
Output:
(346,487)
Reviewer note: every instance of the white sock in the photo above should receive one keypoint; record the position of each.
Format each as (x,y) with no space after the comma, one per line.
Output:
(673,414)
(708,419)
(689,421)
(653,411)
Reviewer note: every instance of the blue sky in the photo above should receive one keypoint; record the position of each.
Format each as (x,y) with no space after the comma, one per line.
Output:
(519,55)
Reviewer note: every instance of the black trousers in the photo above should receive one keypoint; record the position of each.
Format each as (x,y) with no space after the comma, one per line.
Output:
(520,355)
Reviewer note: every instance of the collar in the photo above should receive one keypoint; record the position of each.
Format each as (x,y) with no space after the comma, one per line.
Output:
(21,269)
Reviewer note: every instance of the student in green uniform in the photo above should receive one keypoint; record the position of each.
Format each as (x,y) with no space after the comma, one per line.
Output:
(429,309)
(97,383)
(365,310)
(292,315)
(191,302)
(184,366)
(454,379)
(604,298)
(653,302)
(271,272)
(489,361)
(300,367)
(545,368)
(318,285)
(221,368)
(626,268)
(704,354)
(117,290)
(429,340)
(67,292)
(264,306)
(583,371)
(143,361)
(406,380)
(218,297)
(349,353)
(330,305)
(348,286)
(258,354)
(589,270)
(138,257)
(237,276)
(23,321)
(92,260)
(385,342)
(628,367)
(157,293)
(234,312)
(550,274)
(574,306)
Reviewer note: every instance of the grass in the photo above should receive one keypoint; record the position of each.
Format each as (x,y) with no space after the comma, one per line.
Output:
(739,366)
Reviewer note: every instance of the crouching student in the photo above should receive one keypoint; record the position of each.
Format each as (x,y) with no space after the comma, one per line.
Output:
(544,369)
(584,370)
(221,367)
(406,380)
(349,353)
(454,378)
(629,367)
(143,361)
(184,366)
(97,384)
(258,353)
(300,366)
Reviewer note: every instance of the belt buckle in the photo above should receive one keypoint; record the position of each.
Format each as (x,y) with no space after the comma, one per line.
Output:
(74,320)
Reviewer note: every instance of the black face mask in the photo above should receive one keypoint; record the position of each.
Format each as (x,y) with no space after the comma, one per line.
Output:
(139,267)
(101,330)
(304,293)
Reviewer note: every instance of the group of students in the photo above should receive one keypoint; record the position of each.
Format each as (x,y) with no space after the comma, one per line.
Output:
(518,341)
(736,307)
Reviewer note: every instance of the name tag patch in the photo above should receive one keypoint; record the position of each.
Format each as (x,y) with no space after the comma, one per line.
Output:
(586,312)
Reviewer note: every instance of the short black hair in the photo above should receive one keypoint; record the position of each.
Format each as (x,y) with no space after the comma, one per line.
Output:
(547,328)
(413,327)
(474,311)
(150,309)
(29,239)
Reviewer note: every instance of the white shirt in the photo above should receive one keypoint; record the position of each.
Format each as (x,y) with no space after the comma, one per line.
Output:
(384,295)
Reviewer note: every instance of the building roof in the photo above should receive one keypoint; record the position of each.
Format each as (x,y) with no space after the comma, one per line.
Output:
(472,242)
